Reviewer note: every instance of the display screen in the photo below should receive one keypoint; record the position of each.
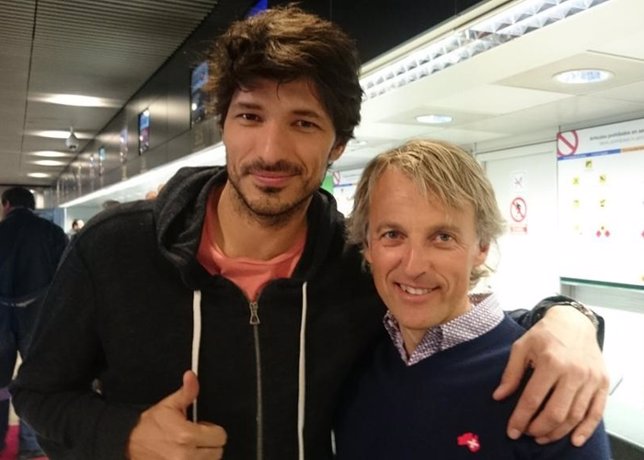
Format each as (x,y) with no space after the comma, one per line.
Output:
(144,131)
(198,95)
(258,7)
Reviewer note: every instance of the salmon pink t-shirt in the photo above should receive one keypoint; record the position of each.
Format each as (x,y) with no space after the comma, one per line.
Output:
(251,275)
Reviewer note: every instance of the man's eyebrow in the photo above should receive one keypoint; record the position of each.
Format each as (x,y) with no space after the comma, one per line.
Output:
(246,105)
(307,113)
(386,225)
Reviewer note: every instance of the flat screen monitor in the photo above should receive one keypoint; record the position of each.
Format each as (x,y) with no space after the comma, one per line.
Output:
(198,95)
(144,131)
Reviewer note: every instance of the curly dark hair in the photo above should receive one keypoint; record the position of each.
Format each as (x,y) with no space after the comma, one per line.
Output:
(285,44)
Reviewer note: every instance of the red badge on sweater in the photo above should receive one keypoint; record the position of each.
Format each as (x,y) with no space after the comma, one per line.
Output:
(470,440)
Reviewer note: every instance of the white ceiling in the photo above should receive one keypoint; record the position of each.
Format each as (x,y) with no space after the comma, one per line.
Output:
(500,98)
(506,96)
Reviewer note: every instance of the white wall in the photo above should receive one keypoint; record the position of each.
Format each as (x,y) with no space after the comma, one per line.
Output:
(528,270)
(526,258)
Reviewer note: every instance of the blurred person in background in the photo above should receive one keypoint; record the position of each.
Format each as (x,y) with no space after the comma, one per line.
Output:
(30,249)
(77,224)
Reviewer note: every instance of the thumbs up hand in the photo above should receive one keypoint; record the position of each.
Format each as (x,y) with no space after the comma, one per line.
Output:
(163,433)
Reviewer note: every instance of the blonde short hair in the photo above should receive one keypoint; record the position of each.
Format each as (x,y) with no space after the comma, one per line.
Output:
(439,169)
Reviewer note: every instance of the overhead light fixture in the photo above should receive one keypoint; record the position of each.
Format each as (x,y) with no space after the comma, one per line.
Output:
(49,154)
(49,163)
(76,100)
(583,76)
(38,175)
(355,143)
(516,21)
(72,142)
(434,119)
(57,134)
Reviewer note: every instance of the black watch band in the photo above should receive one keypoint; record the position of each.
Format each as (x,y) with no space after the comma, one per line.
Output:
(549,302)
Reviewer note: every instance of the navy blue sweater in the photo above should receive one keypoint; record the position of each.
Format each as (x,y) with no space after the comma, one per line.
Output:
(442,407)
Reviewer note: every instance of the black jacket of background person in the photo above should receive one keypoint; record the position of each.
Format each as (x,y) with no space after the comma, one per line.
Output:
(30,249)
(121,309)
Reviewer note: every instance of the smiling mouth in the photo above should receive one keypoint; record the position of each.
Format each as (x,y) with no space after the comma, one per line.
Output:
(413,290)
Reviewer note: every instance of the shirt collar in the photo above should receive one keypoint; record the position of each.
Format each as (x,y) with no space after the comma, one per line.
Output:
(484,315)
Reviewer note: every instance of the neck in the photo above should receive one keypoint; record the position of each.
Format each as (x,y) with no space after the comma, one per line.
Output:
(241,233)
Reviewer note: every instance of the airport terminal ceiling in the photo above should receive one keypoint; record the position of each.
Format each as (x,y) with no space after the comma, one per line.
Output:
(502,97)
(108,50)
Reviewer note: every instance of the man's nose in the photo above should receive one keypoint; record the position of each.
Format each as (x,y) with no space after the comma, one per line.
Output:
(415,261)
(274,141)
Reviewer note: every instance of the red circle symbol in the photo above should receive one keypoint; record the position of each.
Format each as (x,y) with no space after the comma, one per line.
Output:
(567,143)
(518,209)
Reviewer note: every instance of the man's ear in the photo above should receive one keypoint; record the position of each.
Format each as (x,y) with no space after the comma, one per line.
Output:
(484,250)
(336,152)
(366,252)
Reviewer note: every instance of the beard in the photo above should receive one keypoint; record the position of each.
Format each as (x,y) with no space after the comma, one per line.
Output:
(270,208)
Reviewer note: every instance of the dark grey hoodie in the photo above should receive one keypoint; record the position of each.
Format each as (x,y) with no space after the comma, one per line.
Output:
(130,298)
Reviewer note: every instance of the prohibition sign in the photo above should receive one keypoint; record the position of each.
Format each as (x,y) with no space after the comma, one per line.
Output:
(518,209)
(567,143)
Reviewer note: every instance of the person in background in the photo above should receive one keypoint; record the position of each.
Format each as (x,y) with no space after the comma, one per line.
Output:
(425,216)
(77,224)
(30,249)
(242,274)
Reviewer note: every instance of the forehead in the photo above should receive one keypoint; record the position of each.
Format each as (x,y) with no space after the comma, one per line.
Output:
(396,196)
(302,90)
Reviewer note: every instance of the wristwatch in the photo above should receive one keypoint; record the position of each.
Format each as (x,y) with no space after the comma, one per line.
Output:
(542,307)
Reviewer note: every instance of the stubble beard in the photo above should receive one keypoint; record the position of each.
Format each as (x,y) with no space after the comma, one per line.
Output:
(268,210)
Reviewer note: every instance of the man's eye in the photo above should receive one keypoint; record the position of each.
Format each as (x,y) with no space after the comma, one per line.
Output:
(444,237)
(249,116)
(305,124)
(390,235)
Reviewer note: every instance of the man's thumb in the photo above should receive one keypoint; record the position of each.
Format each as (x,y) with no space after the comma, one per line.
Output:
(186,395)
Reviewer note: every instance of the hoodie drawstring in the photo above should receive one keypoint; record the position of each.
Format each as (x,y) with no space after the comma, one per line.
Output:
(196,341)
(301,400)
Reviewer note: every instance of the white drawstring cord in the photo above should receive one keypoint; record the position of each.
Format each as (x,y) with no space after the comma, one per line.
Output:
(301,402)
(196,341)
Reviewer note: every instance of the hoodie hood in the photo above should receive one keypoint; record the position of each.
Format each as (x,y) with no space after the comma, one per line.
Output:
(179,212)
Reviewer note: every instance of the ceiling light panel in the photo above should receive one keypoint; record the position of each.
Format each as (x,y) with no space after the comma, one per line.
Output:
(522,18)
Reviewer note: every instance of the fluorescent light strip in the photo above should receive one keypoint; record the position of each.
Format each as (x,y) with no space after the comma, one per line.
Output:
(516,21)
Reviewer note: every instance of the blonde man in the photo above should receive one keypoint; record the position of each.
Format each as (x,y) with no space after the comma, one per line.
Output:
(425,216)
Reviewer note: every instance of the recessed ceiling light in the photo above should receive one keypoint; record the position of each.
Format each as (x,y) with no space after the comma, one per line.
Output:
(39,175)
(50,154)
(583,76)
(57,134)
(354,143)
(76,100)
(49,163)
(434,119)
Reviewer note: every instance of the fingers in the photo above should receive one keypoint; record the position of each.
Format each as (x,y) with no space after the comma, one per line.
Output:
(184,396)
(530,401)
(594,416)
(513,372)
(585,413)
(207,454)
(163,433)
(209,435)
(564,409)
